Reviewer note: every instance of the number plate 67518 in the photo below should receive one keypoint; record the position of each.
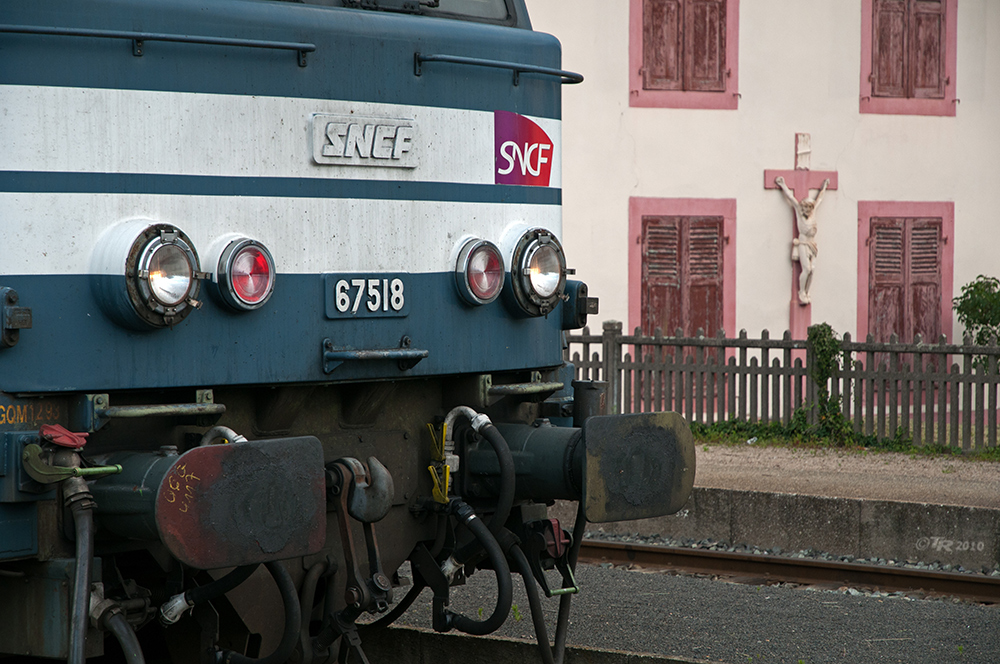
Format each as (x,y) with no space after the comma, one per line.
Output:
(365,295)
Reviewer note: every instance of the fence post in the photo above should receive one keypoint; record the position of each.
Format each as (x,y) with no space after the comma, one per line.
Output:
(611,341)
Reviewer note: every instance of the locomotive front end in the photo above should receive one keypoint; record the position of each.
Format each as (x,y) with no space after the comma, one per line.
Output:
(283,300)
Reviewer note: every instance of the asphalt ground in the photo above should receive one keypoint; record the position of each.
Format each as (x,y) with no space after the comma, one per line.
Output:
(711,620)
(703,619)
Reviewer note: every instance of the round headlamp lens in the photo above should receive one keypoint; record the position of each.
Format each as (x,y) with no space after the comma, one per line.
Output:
(252,275)
(170,274)
(485,272)
(538,272)
(544,270)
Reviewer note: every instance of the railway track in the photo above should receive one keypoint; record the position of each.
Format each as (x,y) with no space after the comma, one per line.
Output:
(769,569)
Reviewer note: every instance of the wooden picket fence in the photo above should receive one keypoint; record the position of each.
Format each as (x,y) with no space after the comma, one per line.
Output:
(940,394)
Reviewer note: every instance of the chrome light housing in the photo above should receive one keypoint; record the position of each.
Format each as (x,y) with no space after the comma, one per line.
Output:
(146,274)
(538,272)
(479,271)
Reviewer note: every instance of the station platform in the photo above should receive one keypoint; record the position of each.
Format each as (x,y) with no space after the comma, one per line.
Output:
(848,503)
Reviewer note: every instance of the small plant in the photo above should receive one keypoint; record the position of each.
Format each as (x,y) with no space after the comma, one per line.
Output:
(517,613)
(978,310)
(827,359)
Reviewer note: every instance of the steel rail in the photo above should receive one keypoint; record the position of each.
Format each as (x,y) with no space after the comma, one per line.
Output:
(780,569)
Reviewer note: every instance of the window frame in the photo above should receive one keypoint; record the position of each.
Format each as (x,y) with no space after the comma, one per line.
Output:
(727,99)
(867,210)
(639,207)
(945,107)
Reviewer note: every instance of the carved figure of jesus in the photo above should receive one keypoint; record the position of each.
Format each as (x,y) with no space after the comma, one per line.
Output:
(804,248)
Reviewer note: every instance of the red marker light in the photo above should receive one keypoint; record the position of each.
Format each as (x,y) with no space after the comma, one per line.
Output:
(252,275)
(246,274)
(485,272)
(479,272)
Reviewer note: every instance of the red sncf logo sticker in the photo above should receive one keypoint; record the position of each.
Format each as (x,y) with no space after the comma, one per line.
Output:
(523,151)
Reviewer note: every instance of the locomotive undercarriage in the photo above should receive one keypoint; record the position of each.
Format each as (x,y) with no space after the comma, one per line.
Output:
(382,448)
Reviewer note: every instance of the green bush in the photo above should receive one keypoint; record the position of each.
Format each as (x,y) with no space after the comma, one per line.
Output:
(978,309)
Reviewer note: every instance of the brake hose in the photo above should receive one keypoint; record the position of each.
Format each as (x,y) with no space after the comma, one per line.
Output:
(117,624)
(550,654)
(467,516)
(175,607)
(534,603)
(484,427)
(293,622)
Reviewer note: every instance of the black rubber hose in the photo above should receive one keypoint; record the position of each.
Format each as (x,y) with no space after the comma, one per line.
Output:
(534,603)
(505,501)
(562,623)
(83,520)
(306,606)
(468,517)
(117,625)
(293,621)
(400,608)
(440,536)
(220,586)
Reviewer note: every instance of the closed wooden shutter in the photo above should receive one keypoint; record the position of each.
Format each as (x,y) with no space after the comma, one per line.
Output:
(927,49)
(662,67)
(886,278)
(889,49)
(705,45)
(661,274)
(682,274)
(908,45)
(684,45)
(924,243)
(905,278)
(704,263)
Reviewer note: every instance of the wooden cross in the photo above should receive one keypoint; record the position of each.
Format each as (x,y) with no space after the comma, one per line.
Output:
(800,181)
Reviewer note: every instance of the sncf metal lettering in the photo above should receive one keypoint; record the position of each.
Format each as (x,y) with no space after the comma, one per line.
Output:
(364,141)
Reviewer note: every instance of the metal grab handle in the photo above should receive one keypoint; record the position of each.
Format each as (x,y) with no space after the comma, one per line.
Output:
(406,356)
(567,77)
(139,37)
(162,410)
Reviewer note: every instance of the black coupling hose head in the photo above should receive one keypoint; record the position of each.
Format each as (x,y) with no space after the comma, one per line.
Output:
(461,510)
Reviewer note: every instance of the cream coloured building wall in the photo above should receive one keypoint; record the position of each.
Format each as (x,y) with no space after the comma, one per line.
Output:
(799,66)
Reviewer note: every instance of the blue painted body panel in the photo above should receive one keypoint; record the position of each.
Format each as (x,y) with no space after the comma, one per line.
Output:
(360,55)
(18,530)
(74,346)
(203,185)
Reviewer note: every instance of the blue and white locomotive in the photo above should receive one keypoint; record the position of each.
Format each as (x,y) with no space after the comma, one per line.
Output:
(282,298)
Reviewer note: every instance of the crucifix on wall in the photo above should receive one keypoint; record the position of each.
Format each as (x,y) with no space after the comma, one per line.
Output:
(796,186)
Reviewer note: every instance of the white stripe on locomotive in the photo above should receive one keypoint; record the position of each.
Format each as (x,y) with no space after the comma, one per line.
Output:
(94,130)
(55,233)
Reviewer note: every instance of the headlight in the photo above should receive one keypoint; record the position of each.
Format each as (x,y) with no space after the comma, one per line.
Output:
(538,272)
(479,272)
(245,274)
(166,272)
(146,274)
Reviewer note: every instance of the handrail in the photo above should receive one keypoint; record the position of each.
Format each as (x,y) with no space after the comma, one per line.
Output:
(406,357)
(162,410)
(139,37)
(567,77)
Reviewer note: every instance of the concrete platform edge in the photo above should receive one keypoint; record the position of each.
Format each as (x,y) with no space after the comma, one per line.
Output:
(919,532)
(408,645)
